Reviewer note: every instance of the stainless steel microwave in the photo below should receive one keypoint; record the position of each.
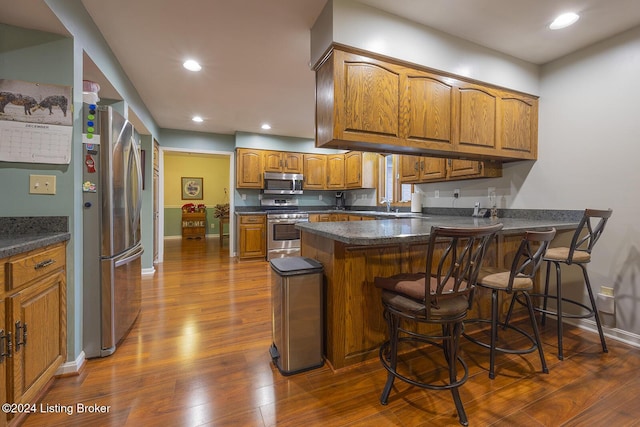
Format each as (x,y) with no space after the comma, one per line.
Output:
(282,183)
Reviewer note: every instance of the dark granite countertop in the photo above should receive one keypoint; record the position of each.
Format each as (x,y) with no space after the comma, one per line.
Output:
(406,230)
(18,244)
(22,234)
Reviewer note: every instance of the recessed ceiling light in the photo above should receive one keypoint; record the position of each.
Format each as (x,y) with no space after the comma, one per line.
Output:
(266,126)
(564,20)
(192,65)
(197,119)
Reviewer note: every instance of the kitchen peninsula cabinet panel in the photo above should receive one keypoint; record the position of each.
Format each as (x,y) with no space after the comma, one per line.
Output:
(249,168)
(315,172)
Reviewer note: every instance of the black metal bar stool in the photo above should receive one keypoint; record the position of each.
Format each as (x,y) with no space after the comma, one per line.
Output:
(578,253)
(516,281)
(440,296)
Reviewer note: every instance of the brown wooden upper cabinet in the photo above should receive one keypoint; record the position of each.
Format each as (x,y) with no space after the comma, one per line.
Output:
(249,168)
(335,172)
(315,171)
(282,161)
(417,169)
(367,103)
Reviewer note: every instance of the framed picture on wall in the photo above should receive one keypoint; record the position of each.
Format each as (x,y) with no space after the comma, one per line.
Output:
(191,188)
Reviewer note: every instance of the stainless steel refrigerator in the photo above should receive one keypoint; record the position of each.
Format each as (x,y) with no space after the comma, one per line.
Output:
(112,197)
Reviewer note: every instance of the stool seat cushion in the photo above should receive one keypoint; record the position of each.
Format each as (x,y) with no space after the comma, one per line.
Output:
(497,278)
(562,254)
(405,292)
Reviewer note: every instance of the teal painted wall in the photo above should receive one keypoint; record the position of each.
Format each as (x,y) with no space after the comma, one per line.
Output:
(22,55)
(146,225)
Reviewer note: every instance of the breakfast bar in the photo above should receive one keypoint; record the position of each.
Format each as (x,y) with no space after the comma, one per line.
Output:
(353,253)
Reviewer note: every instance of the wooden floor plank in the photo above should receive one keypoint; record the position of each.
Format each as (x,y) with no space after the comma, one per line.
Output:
(198,356)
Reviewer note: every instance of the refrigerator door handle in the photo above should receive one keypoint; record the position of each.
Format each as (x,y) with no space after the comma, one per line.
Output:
(134,253)
(138,210)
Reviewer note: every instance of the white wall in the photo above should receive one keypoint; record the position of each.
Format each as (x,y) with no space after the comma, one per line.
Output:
(364,27)
(589,151)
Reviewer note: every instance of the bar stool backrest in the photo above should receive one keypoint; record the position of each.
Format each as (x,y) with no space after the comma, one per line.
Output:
(528,258)
(452,270)
(589,231)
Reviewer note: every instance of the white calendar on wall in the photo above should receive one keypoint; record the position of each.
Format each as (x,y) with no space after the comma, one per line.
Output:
(35,143)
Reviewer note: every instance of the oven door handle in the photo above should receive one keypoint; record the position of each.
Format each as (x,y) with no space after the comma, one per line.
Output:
(286,221)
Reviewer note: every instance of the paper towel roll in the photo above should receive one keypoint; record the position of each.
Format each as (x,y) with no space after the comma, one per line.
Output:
(416,202)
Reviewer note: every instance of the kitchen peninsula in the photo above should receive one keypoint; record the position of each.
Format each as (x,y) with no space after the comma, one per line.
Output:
(354,253)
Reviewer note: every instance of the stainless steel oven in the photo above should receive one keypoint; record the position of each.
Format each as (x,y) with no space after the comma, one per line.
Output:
(283,238)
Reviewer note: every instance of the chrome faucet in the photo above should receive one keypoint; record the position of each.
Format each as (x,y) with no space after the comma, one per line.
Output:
(388,202)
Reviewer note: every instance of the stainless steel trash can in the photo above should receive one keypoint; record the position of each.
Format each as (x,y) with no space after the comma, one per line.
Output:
(296,308)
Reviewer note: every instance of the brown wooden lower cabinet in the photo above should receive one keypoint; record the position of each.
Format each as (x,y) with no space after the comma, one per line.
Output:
(354,324)
(33,305)
(252,236)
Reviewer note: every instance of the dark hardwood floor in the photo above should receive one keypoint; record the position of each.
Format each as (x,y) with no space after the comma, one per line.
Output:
(198,356)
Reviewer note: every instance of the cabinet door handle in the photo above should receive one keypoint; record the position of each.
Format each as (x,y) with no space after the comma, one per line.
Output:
(21,327)
(5,349)
(44,264)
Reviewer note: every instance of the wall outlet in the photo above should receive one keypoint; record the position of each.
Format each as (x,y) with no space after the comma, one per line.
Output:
(491,191)
(437,195)
(605,290)
(606,304)
(213,225)
(244,197)
(456,193)
(319,196)
(42,184)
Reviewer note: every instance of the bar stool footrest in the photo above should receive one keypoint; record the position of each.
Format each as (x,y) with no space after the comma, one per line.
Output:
(447,386)
(531,349)
(589,311)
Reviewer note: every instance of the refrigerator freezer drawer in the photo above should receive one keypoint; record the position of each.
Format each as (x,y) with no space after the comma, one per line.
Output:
(121,297)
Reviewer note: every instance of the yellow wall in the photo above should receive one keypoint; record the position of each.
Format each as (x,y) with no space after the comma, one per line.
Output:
(214,169)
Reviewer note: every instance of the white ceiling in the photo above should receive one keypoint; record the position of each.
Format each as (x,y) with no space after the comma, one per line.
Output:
(255,53)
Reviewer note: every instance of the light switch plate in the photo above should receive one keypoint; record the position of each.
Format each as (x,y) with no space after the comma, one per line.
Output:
(42,184)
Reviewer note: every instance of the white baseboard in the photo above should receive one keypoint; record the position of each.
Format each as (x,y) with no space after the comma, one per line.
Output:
(71,368)
(206,236)
(613,333)
(148,271)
